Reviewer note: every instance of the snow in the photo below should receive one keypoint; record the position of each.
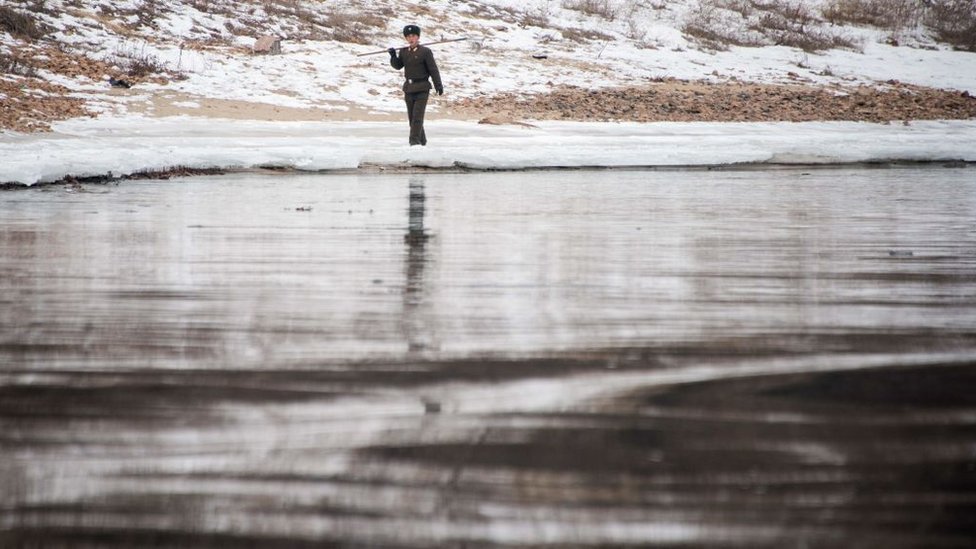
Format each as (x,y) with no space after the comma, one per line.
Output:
(498,55)
(316,72)
(128,144)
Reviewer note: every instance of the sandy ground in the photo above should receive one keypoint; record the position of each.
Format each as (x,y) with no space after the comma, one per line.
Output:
(31,104)
(170,103)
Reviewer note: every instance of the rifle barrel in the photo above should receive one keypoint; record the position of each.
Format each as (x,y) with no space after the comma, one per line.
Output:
(426,44)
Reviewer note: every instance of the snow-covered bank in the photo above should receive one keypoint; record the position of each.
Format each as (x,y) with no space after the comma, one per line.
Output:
(122,146)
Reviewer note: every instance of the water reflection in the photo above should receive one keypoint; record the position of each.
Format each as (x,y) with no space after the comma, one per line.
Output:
(571,359)
(418,326)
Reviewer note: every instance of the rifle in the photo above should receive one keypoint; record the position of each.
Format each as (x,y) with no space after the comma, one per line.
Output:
(427,44)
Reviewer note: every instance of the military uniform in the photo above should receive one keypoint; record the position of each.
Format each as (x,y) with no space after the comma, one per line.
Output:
(419,69)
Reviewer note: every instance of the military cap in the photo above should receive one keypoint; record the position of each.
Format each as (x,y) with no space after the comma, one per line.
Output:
(411,29)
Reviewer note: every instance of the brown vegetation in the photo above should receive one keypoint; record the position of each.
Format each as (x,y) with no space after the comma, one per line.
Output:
(953,22)
(718,24)
(885,14)
(356,27)
(30,104)
(21,25)
(139,65)
(66,63)
(605,9)
(793,24)
(32,108)
(577,35)
(17,64)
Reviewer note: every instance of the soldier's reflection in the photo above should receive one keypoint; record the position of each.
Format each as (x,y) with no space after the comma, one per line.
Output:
(417,330)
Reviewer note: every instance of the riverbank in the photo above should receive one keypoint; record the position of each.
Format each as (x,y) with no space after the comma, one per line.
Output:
(674,100)
(114,147)
(33,105)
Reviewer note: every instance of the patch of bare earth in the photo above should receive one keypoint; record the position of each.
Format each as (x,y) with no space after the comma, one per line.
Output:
(684,101)
(30,104)
(72,65)
(171,103)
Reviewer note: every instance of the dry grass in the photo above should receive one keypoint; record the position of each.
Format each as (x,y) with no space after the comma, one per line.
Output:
(209,43)
(606,9)
(636,31)
(16,65)
(579,35)
(953,22)
(718,24)
(293,10)
(300,20)
(793,24)
(21,25)
(950,21)
(138,64)
(892,15)
(357,27)
(494,13)
(207,6)
(745,8)
(540,20)
(147,12)
(30,105)
(140,67)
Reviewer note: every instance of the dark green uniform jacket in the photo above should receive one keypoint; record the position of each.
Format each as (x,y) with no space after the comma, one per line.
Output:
(418,65)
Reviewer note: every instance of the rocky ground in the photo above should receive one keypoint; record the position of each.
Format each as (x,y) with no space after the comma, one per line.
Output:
(48,45)
(31,104)
(31,108)
(683,101)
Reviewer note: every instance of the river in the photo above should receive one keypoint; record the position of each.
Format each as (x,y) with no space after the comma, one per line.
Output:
(739,357)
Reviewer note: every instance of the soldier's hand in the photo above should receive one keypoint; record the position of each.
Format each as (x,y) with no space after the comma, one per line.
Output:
(392,52)
(440,91)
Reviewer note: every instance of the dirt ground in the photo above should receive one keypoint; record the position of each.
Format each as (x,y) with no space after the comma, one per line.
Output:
(31,108)
(31,104)
(684,101)
(176,103)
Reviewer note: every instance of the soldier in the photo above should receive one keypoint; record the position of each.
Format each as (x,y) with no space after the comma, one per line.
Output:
(418,64)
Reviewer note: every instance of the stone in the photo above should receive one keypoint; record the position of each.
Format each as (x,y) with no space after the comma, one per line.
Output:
(268,44)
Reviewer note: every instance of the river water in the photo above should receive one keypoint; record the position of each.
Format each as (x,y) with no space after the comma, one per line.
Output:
(746,358)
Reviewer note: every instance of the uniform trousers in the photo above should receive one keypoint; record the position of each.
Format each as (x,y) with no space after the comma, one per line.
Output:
(416,105)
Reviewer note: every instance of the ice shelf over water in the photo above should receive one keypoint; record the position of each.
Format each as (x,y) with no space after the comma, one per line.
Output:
(122,146)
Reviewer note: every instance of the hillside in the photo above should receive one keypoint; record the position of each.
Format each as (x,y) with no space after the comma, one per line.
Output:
(533,59)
